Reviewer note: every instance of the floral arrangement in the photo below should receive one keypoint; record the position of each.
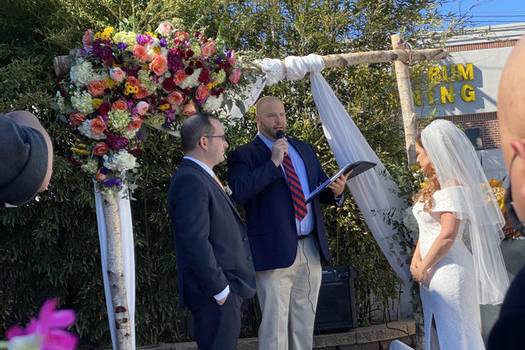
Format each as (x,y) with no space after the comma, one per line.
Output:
(47,332)
(120,80)
(499,192)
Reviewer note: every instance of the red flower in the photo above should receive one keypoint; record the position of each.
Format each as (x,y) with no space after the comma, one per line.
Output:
(100,149)
(204,76)
(168,84)
(75,119)
(104,108)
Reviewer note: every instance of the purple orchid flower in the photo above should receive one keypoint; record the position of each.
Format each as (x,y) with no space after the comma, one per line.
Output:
(49,330)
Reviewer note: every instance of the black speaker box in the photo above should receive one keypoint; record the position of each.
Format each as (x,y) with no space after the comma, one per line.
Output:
(336,308)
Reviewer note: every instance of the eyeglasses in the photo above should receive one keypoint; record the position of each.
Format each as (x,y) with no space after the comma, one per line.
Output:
(511,212)
(223,136)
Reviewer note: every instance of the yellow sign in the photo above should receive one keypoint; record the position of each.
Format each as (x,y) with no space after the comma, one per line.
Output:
(443,81)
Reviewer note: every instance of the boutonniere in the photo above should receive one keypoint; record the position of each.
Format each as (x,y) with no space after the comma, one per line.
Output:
(228,190)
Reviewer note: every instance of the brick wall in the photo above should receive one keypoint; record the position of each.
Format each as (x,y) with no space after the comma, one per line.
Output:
(486,122)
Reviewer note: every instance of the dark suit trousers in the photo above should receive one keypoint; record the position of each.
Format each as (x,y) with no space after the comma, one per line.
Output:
(218,327)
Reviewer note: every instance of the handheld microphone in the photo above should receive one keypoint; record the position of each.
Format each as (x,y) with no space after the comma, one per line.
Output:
(279,134)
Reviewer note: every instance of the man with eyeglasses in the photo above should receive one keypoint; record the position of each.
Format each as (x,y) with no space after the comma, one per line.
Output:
(508,332)
(213,256)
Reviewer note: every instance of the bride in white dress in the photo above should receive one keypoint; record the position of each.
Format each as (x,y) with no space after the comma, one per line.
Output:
(457,261)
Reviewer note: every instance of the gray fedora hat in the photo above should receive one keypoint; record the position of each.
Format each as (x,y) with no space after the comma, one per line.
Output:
(25,149)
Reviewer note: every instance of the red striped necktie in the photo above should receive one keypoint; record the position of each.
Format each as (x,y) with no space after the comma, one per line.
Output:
(299,203)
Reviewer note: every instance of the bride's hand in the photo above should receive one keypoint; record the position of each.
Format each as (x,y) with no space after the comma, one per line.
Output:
(420,274)
(414,264)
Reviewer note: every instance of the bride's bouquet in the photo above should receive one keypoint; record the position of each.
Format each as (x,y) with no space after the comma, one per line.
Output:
(120,80)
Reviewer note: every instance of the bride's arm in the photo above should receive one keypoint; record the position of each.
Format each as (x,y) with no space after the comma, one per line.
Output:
(416,259)
(441,246)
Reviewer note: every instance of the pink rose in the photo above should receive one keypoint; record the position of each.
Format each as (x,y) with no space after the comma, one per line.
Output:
(232,59)
(140,53)
(164,28)
(179,77)
(208,49)
(202,93)
(175,98)
(117,74)
(235,76)
(189,109)
(159,65)
(142,107)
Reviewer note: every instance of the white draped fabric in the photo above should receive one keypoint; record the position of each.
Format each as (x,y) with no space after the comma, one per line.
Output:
(375,192)
(128,253)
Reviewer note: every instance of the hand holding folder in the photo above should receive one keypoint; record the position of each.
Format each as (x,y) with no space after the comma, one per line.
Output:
(352,169)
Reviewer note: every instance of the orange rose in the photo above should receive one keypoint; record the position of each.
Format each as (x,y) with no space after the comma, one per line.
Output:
(100,149)
(179,77)
(120,104)
(140,53)
(96,87)
(135,123)
(159,65)
(202,93)
(175,98)
(189,109)
(97,125)
(75,119)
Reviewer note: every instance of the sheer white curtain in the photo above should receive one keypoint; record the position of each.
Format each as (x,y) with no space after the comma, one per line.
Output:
(128,252)
(375,192)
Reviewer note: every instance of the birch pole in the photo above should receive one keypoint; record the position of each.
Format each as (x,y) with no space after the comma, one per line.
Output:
(406,99)
(116,271)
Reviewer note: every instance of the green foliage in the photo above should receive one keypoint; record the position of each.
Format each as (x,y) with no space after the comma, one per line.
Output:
(50,247)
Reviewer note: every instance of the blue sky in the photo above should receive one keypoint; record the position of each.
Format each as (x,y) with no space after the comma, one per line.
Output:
(487,12)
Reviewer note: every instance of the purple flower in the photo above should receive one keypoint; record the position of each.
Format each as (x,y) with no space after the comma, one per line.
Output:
(163,42)
(122,46)
(139,135)
(116,142)
(112,182)
(174,61)
(50,328)
(144,39)
(102,50)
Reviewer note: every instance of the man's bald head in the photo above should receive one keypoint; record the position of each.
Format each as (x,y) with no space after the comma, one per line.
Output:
(263,103)
(511,116)
(511,96)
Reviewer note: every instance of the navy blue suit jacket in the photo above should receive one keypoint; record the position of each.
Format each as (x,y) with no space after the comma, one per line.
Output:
(210,238)
(261,188)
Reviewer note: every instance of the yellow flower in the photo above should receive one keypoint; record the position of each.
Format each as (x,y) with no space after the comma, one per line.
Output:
(495,183)
(96,102)
(106,33)
(164,107)
(110,83)
(81,151)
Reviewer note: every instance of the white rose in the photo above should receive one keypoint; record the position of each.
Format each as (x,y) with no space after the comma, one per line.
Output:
(164,28)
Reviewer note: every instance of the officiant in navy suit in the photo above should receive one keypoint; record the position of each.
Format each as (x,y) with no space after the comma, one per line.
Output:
(214,263)
(270,177)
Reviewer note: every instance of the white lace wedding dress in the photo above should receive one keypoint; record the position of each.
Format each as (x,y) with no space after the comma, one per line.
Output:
(450,302)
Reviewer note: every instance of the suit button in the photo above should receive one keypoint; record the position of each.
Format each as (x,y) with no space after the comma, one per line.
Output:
(245,239)
(249,257)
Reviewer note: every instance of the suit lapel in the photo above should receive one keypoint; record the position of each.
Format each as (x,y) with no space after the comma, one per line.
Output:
(214,183)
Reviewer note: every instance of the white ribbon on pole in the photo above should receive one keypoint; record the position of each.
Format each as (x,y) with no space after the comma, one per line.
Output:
(128,253)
